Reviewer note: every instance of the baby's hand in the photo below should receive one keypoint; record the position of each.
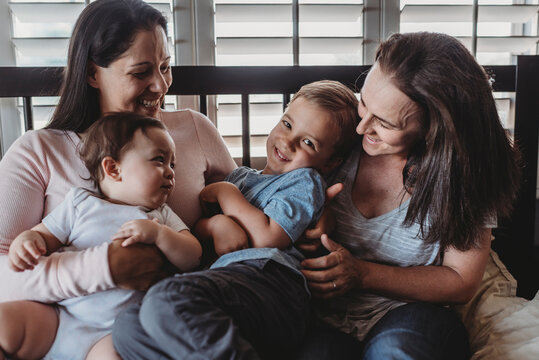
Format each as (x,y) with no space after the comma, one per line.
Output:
(25,250)
(138,231)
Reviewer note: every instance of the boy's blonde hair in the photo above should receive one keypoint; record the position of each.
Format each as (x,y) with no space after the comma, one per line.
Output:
(341,103)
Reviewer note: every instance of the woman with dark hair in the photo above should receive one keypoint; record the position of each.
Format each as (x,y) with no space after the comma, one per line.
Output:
(434,170)
(118,60)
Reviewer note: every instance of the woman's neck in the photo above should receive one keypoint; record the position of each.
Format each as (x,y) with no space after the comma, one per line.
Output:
(378,187)
(383,163)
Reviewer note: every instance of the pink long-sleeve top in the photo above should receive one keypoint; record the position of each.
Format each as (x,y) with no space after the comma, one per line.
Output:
(40,168)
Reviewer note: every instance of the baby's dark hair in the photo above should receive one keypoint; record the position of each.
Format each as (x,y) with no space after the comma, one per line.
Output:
(341,103)
(111,135)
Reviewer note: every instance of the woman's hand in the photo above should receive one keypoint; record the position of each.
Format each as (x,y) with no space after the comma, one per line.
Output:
(137,267)
(310,241)
(333,274)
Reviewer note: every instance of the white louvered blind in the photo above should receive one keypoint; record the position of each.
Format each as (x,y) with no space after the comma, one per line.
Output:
(258,32)
(505,28)
(255,32)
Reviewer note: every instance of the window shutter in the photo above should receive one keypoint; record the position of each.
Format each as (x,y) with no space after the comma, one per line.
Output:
(254,32)
(503,29)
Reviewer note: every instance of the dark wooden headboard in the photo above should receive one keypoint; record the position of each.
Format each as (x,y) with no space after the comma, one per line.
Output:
(515,241)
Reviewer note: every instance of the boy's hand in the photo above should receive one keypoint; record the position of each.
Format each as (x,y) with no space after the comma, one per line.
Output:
(226,243)
(228,236)
(138,231)
(25,250)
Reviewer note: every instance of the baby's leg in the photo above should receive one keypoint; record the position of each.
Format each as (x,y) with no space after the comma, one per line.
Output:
(103,350)
(27,329)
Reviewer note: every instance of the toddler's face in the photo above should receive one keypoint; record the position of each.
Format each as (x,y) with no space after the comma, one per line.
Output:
(305,137)
(147,169)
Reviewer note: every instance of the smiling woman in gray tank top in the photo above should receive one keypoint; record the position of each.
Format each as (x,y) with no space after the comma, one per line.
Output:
(422,191)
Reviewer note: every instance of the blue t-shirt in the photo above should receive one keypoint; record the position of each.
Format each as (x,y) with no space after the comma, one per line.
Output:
(294,200)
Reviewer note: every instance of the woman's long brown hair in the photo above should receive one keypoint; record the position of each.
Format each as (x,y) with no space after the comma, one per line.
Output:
(104,30)
(466,171)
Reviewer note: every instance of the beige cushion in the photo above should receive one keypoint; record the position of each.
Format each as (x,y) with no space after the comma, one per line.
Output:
(500,324)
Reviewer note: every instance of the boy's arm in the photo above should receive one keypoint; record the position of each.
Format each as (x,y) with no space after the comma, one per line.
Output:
(261,229)
(30,245)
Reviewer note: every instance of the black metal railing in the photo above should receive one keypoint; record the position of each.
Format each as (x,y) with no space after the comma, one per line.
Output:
(516,245)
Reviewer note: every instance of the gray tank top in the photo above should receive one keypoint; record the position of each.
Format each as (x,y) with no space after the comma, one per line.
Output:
(382,239)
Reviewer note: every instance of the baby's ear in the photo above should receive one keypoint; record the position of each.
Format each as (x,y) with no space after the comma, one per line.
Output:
(111,168)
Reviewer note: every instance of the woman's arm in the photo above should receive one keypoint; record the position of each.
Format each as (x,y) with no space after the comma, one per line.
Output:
(136,267)
(261,229)
(25,176)
(455,281)
(58,276)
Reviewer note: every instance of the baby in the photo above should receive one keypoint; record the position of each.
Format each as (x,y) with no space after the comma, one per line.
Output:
(130,158)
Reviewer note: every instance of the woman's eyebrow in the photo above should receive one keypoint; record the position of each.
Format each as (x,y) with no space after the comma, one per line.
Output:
(141,63)
(148,62)
(286,116)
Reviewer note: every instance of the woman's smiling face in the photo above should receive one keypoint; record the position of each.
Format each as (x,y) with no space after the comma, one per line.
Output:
(390,120)
(139,79)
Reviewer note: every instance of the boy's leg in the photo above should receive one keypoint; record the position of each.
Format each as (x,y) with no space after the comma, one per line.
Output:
(130,340)
(226,312)
(103,350)
(27,329)
(223,313)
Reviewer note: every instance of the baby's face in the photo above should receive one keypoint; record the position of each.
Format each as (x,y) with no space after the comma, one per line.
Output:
(305,137)
(147,169)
